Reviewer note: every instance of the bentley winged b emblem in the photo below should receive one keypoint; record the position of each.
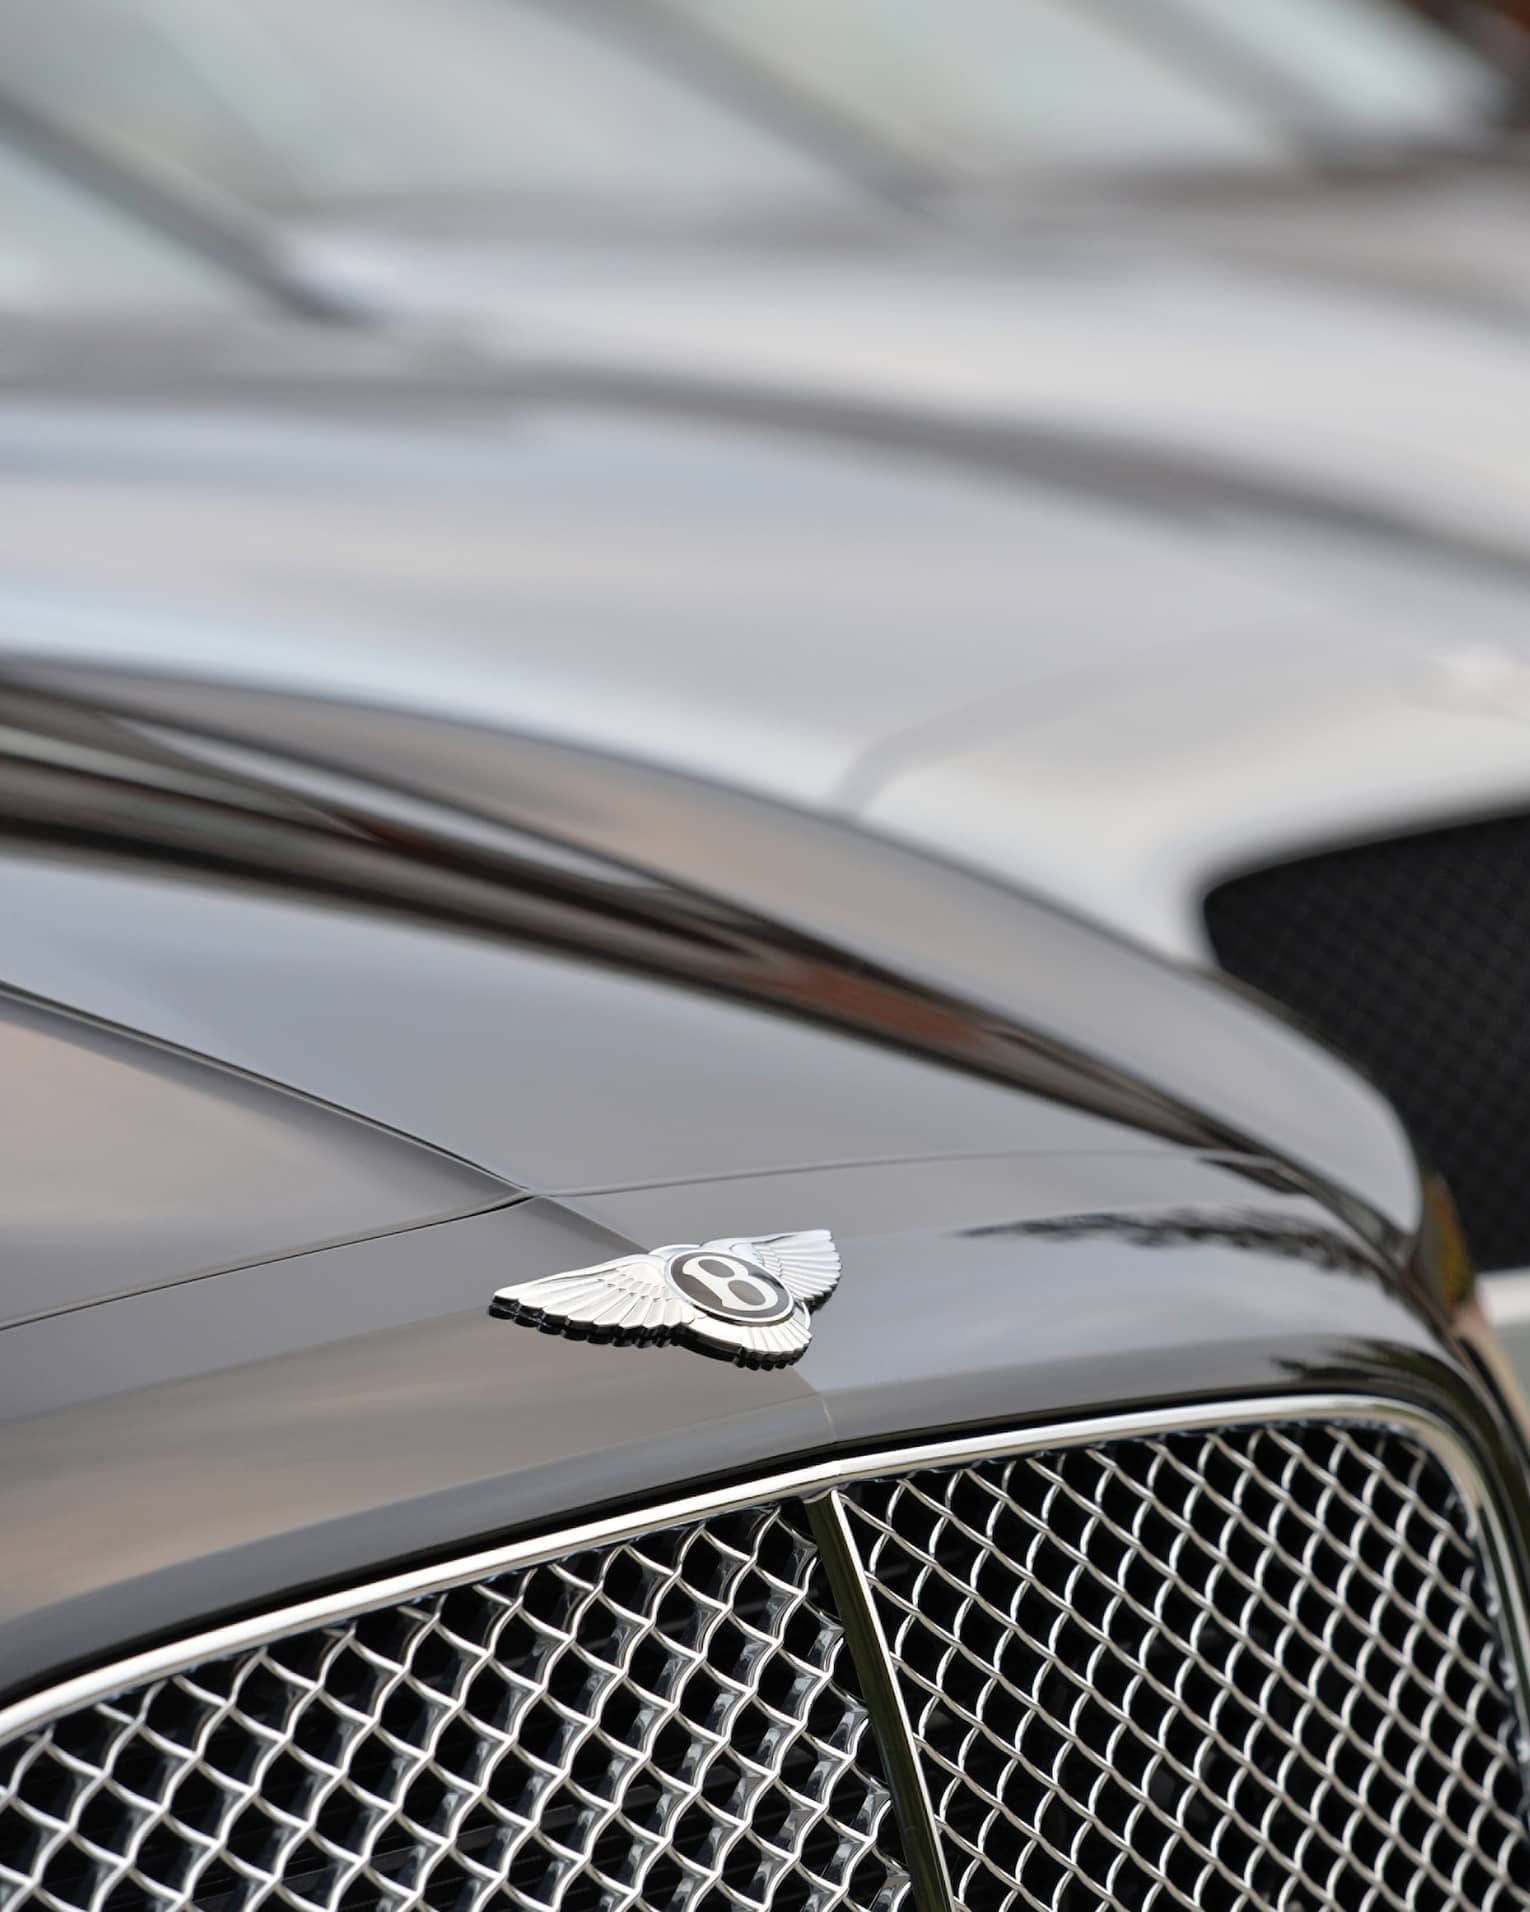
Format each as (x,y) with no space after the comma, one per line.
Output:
(746,1300)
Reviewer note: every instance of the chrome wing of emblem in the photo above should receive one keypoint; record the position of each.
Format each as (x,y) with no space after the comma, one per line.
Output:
(746,1299)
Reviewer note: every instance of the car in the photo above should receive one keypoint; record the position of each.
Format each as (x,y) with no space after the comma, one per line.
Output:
(1285,361)
(577,1336)
(580,1329)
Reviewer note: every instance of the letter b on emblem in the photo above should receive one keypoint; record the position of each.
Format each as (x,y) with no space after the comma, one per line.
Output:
(729,1287)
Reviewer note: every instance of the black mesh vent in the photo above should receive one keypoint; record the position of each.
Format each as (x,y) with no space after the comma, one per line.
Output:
(1240,1669)
(1412,957)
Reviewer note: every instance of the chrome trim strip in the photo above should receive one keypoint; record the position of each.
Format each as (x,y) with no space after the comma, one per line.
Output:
(1433,1432)
(884,1702)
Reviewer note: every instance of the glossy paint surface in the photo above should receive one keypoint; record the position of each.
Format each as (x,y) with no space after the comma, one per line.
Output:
(749,986)
(630,1008)
(200,1451)
(123,1167)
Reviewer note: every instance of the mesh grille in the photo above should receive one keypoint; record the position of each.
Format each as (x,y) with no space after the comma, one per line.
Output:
(1245,1669)
(1409,957)
(1257,1667)
(666,1723)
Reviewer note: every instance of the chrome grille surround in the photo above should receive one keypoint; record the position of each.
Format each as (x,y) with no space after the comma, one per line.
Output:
(1267,1654)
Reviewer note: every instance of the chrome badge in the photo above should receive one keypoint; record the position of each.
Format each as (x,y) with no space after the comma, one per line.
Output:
(746,1300)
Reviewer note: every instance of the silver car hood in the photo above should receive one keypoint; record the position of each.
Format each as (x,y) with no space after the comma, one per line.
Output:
(1282,697)
(1298,370)
(1106,575)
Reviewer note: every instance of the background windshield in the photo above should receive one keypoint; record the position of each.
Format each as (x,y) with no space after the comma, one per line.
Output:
(1364,69)
(295,103)
(61,247)
(994,86)
(716,111)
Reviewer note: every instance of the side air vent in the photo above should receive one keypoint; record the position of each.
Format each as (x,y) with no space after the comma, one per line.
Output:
(1228,1666)
(1408,956)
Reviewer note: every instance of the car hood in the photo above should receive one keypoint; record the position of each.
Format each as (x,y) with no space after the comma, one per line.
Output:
(573,973)
(1059,1172)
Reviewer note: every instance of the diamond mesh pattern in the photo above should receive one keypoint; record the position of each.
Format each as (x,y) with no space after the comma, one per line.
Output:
(1252,1668)
(1247,1669)
(1408,956)
(671,1722)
